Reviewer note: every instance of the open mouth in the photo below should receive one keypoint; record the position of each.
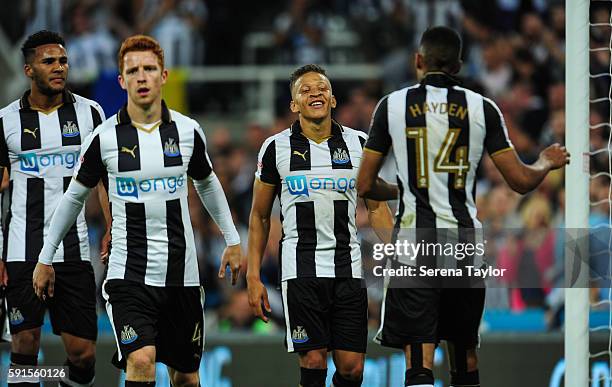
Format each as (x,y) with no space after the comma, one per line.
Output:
(316,104)
(142,91)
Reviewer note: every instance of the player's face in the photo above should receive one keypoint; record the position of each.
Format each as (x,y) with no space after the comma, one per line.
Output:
(312,96)
(142,77)
(48,69)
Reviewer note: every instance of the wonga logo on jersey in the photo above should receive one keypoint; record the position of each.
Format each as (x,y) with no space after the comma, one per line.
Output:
(32,162)
(300,184)
(297,185)
(128,186)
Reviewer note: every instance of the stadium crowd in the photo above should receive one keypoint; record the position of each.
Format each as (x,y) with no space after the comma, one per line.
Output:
(515,58)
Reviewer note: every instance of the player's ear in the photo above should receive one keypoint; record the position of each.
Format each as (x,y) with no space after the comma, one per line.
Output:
(418,61)
(27,70)
(164,76)
(293,106)
(121,82)
(333,101)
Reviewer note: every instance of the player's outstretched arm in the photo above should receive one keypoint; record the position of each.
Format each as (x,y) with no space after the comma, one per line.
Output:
(523,178)
(259,230)
(369,185)
(213,198)
(63,218)
(381,219)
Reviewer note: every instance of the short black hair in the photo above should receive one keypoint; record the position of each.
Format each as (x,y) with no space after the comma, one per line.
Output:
(441,48)
(309,68)
(38,39)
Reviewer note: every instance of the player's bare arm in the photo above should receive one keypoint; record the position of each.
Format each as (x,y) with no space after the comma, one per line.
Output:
(259,230)
(381,219)
(106,240)
(3,274)
(523,178)
(369,185)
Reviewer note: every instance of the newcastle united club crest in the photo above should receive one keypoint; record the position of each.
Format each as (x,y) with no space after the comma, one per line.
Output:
(70,129)
(340,156)
(171,148)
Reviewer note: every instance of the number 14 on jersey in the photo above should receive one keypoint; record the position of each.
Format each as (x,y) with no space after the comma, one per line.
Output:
(442,162)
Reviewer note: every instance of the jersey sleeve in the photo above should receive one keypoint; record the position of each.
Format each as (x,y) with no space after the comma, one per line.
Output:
(267,170)
(4,154)
(496,137)
(90,168)
(379,139)
(200,166)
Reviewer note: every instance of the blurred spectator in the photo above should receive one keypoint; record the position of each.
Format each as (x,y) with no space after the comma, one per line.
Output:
(177,25)
(497,72)
(43,15)
(554,130)
(356,113)
(91,46)
(526,69)
(528,256)
(300,33)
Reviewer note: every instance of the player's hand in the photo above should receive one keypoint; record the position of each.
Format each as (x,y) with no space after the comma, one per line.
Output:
(258,294)
(105,247)
(232,257)
(3,274)
(43,280)
(555,156)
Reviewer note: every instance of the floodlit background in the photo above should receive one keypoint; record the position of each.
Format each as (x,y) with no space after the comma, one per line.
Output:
(230,62)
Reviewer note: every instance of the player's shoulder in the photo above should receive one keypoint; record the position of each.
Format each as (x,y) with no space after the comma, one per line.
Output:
(183,120)
(187,125)
(80,100)
(11,107)
(395,95)
(472,93)
(284,134)
(350,132)
(402,91)
(487,103)
(108,124)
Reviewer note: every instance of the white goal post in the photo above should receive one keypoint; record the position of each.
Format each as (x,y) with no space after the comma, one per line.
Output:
(577,186)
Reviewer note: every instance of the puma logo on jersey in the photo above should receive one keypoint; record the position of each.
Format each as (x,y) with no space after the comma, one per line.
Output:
(132,151)
(30,131)
(302,155)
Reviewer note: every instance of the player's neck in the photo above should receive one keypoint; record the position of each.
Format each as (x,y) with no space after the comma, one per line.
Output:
(145,114)
(44,102)
(317,131)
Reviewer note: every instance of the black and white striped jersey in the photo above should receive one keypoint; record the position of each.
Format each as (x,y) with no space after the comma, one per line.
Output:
(318,199)
(438,132)
(153,242)
(41,150)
